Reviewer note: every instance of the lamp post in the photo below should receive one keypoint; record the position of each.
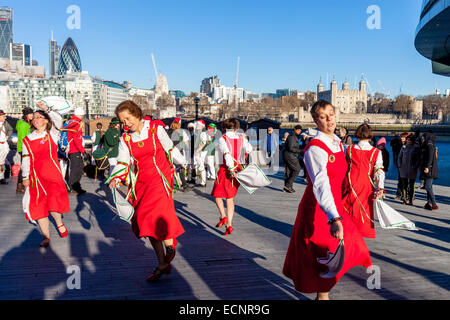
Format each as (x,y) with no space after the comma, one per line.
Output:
(87,126)
(197,101)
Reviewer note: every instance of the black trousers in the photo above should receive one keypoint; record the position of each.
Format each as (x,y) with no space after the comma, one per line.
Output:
(407,187)
(292,167)
(76,170)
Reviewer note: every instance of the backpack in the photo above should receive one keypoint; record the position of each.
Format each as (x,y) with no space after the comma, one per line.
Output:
(63,145)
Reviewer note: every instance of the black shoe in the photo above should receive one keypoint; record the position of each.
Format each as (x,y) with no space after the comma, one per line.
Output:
(200,185)
(81,191)
(3,181)
(288,190)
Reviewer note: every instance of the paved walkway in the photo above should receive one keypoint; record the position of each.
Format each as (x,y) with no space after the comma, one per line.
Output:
(246,265)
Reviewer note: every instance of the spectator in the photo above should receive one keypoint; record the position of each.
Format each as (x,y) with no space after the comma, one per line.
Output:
(408,164)
(292,163)
(385,153)
(111,142)
(398,145)
(76,151)
(345,137)
(23,129)
(5,133)
(429,169)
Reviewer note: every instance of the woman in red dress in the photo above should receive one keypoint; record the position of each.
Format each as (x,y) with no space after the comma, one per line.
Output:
(364,182)
(233,146)
(319,227)
(42,174)
(145,147)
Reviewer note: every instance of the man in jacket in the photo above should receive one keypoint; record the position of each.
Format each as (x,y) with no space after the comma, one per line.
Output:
(429,168)
(111,143)
(76,151)
(5,133)
(291,161)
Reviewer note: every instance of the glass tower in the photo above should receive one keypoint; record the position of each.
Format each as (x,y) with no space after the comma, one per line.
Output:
(54,54)
(69,59)
(6,31)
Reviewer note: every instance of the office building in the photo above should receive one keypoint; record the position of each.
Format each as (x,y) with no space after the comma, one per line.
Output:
(6,31)
(208,85)
(54,54)
(115,94)
(21,53)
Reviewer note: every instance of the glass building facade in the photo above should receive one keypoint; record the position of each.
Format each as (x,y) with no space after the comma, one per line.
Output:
(69,59)
(433,35)
(54,54)
(6,31)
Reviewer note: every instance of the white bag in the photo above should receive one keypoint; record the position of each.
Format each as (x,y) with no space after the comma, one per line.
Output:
(252,178)
(334,262)
(390,218)
(26,205)
(125,210)
(59,104)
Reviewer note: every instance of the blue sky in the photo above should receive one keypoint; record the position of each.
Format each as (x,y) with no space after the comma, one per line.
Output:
(282,44)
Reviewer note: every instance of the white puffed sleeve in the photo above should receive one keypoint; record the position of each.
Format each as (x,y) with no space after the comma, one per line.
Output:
(25,162)
(379,175)
(123,163)
(168,146)
(316,160)
(57,124)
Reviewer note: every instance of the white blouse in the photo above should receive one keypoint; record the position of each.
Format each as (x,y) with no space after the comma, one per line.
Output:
(167,144)
(224,150)
(316,161)
(54,133)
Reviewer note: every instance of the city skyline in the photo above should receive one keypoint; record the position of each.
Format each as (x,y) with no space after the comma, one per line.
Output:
(120,51)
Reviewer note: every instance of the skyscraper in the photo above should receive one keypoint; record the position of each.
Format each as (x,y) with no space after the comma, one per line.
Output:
(21,53)
(6,31)
(69,59)
(54,54)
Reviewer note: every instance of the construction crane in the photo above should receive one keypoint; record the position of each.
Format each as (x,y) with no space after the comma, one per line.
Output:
(387,93)
(236,84)
(154,67)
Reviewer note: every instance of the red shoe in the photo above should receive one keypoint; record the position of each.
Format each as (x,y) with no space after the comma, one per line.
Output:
(157,273)
(45,243)
(229,231)
(171,251)
(65,233)
(222,222)
(434,208)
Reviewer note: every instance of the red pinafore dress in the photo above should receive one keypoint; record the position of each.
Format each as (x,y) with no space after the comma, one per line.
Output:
(48,191)
(311,238)
(154,215)
(225,186)
(359,190)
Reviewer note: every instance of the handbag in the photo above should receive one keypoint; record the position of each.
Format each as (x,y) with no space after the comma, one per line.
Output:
(125,210)
(252,178)
(389,218)
(334,262)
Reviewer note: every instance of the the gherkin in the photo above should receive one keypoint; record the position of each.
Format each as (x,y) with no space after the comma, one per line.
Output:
(69,59)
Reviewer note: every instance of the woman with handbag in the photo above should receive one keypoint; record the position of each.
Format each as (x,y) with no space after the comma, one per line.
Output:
(233,146)
(364,182)
(319,228)
(42,174)
(150,192)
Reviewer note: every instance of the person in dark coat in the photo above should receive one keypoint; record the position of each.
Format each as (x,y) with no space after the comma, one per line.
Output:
(381,144)
(429,168)
(290,155)
(397,144)
(408,165)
